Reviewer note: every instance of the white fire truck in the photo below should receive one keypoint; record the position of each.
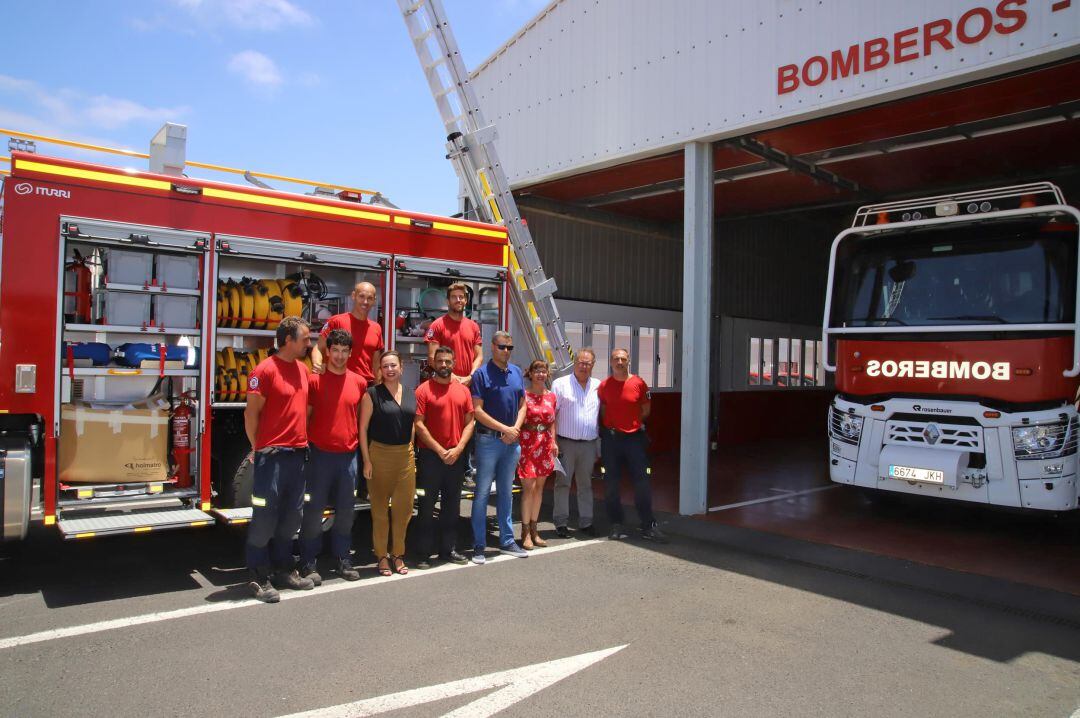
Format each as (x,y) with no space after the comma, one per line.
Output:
(957,350)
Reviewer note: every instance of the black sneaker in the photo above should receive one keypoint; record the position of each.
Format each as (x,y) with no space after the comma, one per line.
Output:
(653,533)
(616,533)
(587,530)
(562,532)
(311,573)
(454,557)
(263,591)
(423,564)
(345,569)
(291,579)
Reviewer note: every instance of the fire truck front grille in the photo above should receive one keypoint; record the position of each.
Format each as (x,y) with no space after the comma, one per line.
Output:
(931,433)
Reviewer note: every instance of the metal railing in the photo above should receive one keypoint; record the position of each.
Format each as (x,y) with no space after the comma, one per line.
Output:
(190,163)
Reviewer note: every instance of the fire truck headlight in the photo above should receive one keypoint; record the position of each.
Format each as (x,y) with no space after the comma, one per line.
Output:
(844,427)
(1044,441)
(851,426)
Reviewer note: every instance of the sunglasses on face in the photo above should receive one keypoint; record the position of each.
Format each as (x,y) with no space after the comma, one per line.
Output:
(505,347)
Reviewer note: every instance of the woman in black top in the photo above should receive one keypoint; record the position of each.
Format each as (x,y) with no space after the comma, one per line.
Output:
(387,411)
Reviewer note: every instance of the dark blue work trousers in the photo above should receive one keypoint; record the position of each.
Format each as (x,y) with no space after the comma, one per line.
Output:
(276,501)
(620,451)
(331,481)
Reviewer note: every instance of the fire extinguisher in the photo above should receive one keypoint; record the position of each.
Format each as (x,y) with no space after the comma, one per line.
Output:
(77,289)
(181,439)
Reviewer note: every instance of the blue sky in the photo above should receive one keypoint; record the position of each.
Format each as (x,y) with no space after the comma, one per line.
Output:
(326,90)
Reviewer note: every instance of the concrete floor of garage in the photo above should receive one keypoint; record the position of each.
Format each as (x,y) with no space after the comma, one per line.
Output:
(786,490)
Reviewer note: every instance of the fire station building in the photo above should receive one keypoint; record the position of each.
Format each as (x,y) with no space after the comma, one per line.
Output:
(686,165)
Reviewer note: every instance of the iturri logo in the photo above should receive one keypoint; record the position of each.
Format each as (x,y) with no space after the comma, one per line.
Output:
(27,188)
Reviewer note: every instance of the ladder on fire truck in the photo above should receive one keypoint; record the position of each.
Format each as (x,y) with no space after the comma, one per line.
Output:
(470,144)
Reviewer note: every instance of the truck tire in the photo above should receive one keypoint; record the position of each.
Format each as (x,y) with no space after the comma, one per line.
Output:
(16,487)
(242,485)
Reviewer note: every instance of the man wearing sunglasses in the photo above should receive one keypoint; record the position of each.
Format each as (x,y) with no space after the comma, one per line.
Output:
(498,391)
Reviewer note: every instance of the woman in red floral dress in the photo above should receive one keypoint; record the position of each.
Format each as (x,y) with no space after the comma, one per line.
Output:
(538,450)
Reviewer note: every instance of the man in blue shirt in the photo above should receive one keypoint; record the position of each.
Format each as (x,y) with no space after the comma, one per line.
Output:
(498,391)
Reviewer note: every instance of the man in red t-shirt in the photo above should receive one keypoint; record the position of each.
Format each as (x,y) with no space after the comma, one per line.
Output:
(458,332)
(367,335)
(333,409)
(624,406)
(444,425)
(276,424)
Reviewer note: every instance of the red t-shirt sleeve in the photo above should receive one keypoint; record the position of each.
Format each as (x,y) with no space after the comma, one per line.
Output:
(331,325)
(465,398)
(476,329)
(259,379)
(382,344)
(313,388)
(421,400)
(643,392)
(434,333)
(363,383)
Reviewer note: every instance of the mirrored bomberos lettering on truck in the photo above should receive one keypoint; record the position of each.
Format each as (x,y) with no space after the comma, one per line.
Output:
(952,325)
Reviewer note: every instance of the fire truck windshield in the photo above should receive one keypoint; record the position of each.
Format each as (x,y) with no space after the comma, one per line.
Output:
(1016,272)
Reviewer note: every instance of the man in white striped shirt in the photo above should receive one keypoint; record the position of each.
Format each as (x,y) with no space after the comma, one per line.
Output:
(576,424)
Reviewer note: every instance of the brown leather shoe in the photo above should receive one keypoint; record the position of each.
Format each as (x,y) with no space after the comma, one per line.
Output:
(526,537)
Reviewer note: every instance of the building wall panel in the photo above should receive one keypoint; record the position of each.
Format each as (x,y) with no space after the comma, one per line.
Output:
(597,82)
(774,269)
(603,258)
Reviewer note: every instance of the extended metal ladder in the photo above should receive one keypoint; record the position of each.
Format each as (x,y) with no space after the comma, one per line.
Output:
(470,145)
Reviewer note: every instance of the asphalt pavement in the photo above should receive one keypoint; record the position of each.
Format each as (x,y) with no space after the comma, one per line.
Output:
(739,624)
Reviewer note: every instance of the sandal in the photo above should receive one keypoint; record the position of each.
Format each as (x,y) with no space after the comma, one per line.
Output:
(399,565)
(384,566)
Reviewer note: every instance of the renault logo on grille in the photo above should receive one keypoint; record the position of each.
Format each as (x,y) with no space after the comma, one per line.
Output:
(931,433)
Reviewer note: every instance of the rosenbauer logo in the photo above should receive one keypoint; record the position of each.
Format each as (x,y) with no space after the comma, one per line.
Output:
(979,370)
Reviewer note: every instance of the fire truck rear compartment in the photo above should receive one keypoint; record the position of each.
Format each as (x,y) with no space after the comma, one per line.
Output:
(130,292)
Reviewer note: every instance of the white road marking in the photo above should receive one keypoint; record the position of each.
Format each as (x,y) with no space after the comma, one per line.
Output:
(515,685)
(100,626)
(1076,713)
(767,499)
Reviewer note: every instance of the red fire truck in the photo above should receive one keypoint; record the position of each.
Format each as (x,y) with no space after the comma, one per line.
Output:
(133,305)
(957,350)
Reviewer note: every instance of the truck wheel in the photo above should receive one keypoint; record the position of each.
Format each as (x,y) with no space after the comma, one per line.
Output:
(242,485)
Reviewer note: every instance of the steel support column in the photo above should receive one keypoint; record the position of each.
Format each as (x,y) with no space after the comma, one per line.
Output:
(697,307)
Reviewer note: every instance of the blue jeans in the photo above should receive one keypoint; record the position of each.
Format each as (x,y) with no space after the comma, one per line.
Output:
(495,461)
(619,451)
(276,502)
(331,481)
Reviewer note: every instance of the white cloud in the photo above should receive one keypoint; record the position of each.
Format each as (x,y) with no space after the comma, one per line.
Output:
(74,110)
(256,68)
(249,14)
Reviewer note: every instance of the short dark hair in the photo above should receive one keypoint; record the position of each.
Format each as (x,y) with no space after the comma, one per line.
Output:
(289,328)
(339,338)
(444,350)
(458,286)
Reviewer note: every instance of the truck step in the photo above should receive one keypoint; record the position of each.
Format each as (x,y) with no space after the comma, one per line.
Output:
(102,524)
(243,515)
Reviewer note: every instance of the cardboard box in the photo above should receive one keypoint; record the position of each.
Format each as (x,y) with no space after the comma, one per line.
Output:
(113,446)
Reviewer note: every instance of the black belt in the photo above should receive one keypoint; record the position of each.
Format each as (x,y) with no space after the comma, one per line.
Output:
(567,438)
(485,430)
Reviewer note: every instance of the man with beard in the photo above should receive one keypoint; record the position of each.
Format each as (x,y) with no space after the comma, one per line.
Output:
(444,425)
(456,331)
